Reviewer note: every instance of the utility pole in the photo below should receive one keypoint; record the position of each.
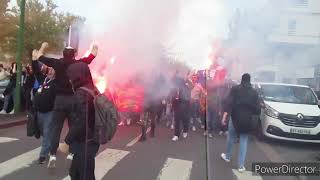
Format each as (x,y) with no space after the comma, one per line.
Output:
(17,103)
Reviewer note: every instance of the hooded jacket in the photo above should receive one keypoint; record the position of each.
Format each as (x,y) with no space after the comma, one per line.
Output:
(83,108)
(243,103)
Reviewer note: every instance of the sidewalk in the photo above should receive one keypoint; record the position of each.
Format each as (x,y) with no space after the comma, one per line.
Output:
(10,120)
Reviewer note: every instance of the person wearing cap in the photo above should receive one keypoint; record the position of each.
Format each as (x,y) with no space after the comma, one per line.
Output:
(64,92)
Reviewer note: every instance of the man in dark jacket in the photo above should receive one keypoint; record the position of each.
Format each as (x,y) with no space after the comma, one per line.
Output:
(43,105)
(64,92)
(80,135)
(181,108)
(243,104)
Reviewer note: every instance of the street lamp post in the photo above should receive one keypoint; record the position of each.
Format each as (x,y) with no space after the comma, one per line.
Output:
(17,96)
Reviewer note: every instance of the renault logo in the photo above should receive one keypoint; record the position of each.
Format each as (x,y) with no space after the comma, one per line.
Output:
(300,117)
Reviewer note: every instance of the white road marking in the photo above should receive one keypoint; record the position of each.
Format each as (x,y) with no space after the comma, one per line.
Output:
(19,162)
(7,139)
(105,161)
(246,175)
(135,140)
(176,169)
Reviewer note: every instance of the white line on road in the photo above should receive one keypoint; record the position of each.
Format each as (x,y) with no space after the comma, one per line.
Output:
(135,140)
(176,169)
(247,175)
(19,162)
(7,139)
(105,161)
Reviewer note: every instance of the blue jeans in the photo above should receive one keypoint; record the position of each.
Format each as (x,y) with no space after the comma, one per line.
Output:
(212,118)
(45,124)
(232,137)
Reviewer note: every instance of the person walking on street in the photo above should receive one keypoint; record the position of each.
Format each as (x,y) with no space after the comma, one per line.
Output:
(243,104)
(64,93)
(181,107)
(81,134)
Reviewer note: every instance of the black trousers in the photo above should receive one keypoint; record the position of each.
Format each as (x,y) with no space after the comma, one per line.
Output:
(181,116)
(62,110)
(148,114)
(83,163)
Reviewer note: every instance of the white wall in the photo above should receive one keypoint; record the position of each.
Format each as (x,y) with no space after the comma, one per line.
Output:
(307,20)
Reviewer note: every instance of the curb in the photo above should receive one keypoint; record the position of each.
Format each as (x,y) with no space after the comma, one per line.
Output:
(12,124)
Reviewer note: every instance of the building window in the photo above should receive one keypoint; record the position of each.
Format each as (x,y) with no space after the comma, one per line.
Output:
(300,3)
(292,26)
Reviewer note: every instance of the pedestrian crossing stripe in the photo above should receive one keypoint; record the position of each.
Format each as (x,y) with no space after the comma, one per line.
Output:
(135,140)
(105,161)
(176,169)
(246,175)
(7,139)
(19,162)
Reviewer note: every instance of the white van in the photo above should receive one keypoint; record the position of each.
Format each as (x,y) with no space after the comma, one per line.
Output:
(291,112)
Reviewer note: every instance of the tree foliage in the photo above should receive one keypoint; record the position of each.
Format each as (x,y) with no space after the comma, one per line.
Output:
(42,23)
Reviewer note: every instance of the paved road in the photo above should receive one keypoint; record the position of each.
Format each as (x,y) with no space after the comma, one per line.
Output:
(158,158)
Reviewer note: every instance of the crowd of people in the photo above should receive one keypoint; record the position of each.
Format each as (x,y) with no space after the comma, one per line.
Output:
(52,89)
(223,108)
(8,80)
(51,92)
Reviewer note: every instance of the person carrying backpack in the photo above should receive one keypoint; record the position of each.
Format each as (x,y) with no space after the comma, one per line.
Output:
(94,122)
(64,92)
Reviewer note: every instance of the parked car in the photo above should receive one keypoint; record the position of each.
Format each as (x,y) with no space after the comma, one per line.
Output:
(318,94)
(3,85)
(291,112)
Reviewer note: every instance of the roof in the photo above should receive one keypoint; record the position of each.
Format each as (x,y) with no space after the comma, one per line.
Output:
(280,84)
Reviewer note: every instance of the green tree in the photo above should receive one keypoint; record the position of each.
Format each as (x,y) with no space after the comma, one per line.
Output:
(42,23)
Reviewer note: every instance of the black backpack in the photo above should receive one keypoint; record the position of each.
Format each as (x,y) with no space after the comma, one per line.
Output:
(106,117)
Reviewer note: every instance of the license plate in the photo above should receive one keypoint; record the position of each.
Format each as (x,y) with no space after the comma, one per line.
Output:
(300,131)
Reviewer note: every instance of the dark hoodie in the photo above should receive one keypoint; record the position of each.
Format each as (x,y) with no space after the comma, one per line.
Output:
(243,103)
(61,66)
(83,109)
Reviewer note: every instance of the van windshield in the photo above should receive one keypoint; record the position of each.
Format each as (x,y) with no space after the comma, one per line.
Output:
(288,94)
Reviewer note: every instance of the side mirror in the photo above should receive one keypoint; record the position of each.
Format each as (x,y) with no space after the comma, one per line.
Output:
(319,102)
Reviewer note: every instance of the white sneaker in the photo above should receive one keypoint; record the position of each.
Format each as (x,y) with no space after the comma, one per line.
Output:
(242,169)
(3,112)
(226,133)
(121,123)
(220,133)
(205,133)
(52,161)
(194,128)
(210,135)
(175,138)
(199,120)
(224,157)
(202,127)
(172,127)
(184,135)
(128,122)
(12,112)
(70,156)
